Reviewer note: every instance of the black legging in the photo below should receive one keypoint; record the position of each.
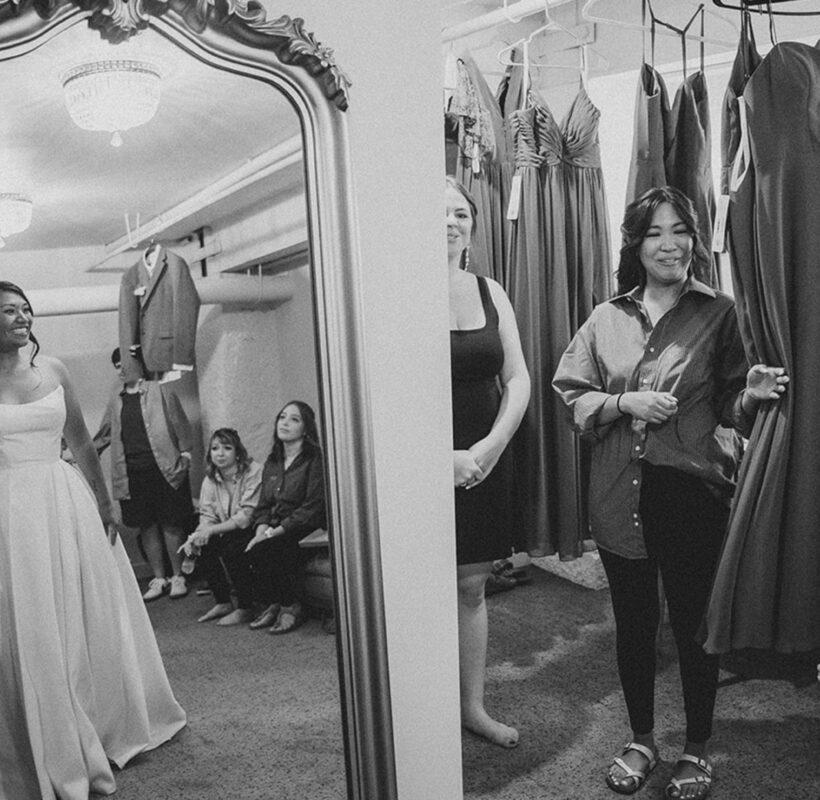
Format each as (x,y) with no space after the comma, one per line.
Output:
(226,553)
(275,567)
(684,525)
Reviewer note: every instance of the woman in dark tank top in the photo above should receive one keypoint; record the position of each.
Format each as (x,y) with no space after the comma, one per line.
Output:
(491,388)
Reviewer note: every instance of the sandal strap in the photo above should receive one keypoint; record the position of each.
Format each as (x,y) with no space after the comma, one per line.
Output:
(629,772)
(701,763)
(649,754)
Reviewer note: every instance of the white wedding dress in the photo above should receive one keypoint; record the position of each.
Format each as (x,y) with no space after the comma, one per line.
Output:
(81,679)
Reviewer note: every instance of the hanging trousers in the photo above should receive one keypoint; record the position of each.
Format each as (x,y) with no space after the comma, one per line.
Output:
(684,525)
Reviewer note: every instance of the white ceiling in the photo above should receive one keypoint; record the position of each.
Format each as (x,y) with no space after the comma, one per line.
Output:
(209,123)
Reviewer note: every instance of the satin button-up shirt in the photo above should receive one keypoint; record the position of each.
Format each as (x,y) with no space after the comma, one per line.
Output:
(693,351)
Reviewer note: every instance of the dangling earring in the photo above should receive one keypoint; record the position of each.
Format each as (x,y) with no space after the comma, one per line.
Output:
(467,258)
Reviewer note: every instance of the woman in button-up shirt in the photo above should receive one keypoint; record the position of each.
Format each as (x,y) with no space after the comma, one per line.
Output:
(227,500)
(658,379)
(291,505)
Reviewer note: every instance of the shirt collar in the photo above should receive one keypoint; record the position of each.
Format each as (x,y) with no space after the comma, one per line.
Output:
(692,285)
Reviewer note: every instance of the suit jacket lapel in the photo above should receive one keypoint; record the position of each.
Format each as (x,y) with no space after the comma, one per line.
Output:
(154,277)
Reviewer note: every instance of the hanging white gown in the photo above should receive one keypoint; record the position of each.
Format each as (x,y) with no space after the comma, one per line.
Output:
(81,678)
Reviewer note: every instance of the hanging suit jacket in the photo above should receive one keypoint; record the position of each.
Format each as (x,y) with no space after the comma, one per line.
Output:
(158,311)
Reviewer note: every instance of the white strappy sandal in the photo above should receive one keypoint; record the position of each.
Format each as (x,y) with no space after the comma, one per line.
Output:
(632,779)
(703,782)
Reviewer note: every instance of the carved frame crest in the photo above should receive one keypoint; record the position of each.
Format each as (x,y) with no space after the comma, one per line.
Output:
(243,20)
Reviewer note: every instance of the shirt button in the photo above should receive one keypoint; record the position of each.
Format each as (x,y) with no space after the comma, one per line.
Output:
(651,349)
(637,447)
(634,481)
(635,514)
(637,524)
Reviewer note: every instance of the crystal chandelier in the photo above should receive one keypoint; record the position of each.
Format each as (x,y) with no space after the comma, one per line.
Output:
(112,95)
(15,214)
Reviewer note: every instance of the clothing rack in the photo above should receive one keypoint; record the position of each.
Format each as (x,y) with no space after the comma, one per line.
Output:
(765,7)
(588,15)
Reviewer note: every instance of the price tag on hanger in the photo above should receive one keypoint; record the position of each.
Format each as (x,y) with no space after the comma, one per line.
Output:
(721,217)
(515,197)
(476,159)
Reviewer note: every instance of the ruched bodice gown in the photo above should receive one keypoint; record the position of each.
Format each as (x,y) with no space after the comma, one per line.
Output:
(81,678)
(559,268)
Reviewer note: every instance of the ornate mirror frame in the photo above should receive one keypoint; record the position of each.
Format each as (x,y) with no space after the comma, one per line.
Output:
(234,35)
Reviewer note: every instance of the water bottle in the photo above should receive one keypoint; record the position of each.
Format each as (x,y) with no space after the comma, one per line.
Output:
(189,562)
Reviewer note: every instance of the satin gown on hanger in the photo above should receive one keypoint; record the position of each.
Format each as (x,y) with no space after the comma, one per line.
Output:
(765,592)
(559,266)
(81,679)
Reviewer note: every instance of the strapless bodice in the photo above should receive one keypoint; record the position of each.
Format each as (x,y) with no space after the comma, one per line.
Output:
(31,433)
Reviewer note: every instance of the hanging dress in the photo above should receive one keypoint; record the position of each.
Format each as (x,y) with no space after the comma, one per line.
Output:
(478,166)
(647,169)
(689,156)
(672,146)
(589,257)
(688,159)
(559,266)
(765,593)
(81,679)
(746,62)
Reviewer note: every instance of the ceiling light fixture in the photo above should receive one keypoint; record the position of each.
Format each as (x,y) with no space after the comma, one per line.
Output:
(15,214)
(112,95)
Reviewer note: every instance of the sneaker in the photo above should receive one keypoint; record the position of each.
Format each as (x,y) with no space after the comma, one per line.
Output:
(155,589)
(179,588)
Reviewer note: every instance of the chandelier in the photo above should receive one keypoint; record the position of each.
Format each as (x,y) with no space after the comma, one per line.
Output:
(15,214)
(112,95)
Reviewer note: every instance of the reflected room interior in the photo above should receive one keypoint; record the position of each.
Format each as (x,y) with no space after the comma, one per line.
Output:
(216,175)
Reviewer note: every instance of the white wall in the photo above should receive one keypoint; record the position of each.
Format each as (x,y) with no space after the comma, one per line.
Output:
(392,54)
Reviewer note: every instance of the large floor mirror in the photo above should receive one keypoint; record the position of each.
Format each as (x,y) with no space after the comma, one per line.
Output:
(242,171)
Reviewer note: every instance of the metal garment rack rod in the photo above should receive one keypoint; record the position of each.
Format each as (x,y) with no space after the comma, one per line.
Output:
(765,7)
(512,13)
(588,16)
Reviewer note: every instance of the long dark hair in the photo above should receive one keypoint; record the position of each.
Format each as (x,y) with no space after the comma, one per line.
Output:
(7,286)
(638,219)
(310,437)
(230,437)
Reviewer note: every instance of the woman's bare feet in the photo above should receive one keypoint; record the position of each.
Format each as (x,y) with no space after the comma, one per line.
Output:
(239,616)
(219,610)
(482,724)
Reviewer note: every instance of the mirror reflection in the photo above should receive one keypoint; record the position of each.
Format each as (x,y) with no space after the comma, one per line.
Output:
(209,190)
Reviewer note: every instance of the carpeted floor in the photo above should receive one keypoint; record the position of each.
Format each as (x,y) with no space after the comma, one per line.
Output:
(264,721)
(263,713)
(552,674)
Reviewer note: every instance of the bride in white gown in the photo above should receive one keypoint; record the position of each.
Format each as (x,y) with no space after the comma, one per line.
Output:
(81,679)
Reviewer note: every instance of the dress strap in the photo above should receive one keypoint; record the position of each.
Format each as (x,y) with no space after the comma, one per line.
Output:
(490,311)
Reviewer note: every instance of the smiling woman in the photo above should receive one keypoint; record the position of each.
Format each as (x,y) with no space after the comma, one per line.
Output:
(65,592)
(226,191)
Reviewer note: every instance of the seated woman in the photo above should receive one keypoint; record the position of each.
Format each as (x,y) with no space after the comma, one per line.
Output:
(291,505)
(230,491)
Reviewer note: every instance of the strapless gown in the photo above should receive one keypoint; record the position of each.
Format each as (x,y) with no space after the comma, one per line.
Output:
(82,682)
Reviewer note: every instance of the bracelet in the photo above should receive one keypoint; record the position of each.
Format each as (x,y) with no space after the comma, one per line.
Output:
(618,403)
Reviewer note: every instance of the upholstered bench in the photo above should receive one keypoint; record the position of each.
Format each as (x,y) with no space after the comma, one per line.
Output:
(317,573)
